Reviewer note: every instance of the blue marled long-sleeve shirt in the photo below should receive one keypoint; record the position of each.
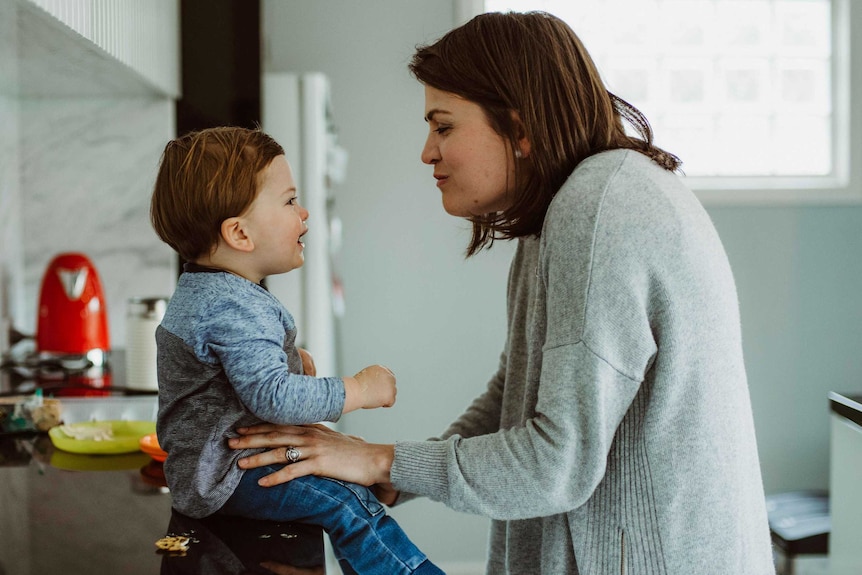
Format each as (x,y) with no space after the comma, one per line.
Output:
(227,358)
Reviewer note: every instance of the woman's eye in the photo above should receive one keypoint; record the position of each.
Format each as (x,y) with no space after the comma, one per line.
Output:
(443,129)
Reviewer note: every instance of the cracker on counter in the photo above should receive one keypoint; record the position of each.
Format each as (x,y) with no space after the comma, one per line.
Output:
(48,414)
(174,544)
(30,412)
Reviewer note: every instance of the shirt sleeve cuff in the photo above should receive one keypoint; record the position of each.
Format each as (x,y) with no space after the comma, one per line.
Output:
(420,467)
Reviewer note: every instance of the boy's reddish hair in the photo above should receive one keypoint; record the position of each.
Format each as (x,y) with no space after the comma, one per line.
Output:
(204,178)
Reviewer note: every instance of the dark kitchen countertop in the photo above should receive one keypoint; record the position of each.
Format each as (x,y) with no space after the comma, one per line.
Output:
(63,513)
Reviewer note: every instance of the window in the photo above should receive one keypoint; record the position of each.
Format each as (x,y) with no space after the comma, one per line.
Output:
(751,94)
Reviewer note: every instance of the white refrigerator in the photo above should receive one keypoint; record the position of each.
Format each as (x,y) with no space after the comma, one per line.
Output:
(296,111)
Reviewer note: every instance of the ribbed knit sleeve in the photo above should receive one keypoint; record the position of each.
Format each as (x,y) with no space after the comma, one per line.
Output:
(526,471)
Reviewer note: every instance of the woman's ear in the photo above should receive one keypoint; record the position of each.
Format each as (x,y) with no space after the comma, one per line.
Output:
(523,148)
(235,235)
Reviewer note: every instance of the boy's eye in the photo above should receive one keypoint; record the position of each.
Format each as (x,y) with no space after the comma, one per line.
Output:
(291,201)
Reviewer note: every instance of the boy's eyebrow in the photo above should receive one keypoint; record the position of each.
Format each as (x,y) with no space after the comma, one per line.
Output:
(430,115)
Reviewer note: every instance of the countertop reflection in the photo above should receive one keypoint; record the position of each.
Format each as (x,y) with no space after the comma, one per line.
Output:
(232,545)
(68,513)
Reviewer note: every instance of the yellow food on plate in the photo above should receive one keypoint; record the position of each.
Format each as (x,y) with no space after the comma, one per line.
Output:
(99,431)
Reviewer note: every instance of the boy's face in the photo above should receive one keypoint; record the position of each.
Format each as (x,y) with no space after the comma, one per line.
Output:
(276,221)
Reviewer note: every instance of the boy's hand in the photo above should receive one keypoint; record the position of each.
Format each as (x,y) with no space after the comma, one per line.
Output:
(376,386)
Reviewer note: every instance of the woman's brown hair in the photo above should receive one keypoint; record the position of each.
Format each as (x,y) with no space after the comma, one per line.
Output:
(534,64)
(204,178)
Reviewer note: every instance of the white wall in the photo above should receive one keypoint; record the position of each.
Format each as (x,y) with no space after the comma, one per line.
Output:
(412,301)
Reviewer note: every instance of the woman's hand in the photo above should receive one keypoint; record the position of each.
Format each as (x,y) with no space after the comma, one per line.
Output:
(385,493)
(308,367)
(322,452)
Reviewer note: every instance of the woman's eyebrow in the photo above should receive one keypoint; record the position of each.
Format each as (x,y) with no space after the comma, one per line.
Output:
(430,115)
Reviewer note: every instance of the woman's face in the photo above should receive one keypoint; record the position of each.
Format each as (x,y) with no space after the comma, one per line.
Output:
(472,163)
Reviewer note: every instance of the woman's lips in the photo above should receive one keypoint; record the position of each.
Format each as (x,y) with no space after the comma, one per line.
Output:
(441,180)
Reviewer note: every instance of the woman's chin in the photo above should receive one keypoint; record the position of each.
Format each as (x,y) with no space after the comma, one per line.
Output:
(455,210)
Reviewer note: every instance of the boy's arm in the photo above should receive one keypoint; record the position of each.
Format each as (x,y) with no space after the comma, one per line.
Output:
(372,387)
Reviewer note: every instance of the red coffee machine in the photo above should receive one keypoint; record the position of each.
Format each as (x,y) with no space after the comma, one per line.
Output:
(72,324)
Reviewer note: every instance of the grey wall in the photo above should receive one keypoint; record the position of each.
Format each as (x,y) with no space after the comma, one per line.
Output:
(798,273)
(414,303)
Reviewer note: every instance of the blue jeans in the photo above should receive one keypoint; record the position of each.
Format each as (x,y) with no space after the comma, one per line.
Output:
(365,539)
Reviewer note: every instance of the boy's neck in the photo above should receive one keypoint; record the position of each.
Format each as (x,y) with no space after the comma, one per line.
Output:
(227,265)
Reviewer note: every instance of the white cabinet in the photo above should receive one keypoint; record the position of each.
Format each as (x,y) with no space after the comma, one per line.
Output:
(845,541)
(142,35)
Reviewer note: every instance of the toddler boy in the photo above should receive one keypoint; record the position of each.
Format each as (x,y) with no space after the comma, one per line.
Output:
(226,201)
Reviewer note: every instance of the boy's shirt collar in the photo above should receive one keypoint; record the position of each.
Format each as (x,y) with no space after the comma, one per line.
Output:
(192,267)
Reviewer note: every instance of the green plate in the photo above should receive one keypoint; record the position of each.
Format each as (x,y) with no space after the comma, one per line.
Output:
(127,435)
(81,462)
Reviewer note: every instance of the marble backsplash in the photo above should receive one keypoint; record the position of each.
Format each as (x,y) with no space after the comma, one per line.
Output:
(87,168)
(11,252)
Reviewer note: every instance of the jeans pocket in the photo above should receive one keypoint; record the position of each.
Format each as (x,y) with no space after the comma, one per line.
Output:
(364,495)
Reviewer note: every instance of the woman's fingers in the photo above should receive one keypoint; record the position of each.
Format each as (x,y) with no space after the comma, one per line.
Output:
(271,457)
(256,429)
(286,443)
(314,450)
(268,436)
(276,431)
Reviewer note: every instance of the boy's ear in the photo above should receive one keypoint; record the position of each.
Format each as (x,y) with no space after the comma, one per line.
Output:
(234,235)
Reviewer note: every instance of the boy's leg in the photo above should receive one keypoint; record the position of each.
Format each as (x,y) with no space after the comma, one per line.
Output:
(361,532)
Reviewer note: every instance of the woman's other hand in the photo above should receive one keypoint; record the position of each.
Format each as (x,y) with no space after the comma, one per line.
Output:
(308,367)
(385,493)
(322,452)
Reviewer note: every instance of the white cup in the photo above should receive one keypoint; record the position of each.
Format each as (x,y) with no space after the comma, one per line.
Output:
(143,316)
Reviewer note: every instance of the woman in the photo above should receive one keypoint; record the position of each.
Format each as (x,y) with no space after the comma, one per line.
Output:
(617,435)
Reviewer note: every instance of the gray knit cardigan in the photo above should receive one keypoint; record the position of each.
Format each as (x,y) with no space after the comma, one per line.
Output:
(617,435)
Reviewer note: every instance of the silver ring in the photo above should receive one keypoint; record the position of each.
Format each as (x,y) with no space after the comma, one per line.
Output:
(292,454)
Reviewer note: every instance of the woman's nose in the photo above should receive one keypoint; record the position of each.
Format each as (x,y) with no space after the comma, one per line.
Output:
(430,153)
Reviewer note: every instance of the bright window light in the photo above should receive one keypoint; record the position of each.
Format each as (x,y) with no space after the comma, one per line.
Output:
(736,88)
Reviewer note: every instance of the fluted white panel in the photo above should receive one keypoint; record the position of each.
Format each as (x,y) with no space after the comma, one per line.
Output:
(144,35)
